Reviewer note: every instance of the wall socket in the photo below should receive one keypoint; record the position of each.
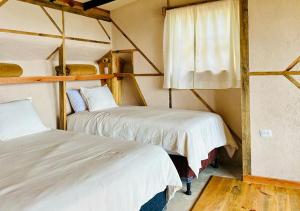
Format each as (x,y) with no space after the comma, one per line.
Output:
(266,133)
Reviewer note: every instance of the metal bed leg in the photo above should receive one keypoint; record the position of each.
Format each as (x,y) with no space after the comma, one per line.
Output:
(188,188)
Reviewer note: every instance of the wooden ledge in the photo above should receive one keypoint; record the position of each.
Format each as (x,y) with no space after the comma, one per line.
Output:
(120,75)
(53,79)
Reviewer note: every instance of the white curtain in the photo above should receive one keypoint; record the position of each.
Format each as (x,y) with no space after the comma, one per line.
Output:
(202,46)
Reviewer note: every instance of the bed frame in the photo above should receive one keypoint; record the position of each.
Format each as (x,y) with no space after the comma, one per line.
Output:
(157,203)
(185,172)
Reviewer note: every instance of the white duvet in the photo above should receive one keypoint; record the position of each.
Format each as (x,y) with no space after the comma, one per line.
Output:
(64,171)
(192,134)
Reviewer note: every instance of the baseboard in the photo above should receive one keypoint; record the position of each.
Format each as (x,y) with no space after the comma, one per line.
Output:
(271,181)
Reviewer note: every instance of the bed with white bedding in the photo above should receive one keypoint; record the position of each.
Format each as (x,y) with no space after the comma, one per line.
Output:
(57,170)
(192,134)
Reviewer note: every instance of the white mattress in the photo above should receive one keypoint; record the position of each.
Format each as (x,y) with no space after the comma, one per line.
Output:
(192,134)
(58,170)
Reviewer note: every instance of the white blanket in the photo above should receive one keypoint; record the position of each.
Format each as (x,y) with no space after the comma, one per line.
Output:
(64,171)
(192,134)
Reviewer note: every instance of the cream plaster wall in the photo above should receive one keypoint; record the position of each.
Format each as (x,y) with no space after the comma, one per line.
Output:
(275,102)
(31,52)
(143,22)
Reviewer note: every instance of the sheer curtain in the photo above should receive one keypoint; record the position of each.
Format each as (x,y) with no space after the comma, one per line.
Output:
(202,46)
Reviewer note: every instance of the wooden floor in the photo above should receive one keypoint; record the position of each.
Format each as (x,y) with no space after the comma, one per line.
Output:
(231,194)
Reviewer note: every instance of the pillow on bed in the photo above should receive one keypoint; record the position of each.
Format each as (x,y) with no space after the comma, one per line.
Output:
(98,98)
(19,118)
(77,102)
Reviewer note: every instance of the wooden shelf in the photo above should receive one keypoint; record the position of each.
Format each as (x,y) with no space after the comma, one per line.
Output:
(52,79)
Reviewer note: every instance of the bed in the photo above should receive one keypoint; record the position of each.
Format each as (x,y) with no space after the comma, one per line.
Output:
(190,137)
(58,170)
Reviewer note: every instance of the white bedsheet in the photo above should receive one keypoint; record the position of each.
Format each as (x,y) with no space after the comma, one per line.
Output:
(192,134)
(65,171)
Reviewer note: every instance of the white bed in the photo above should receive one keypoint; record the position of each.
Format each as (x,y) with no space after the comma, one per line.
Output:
(192,134)
(57,170)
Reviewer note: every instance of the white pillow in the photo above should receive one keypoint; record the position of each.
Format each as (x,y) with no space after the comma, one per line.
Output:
(19,118)
(98,98)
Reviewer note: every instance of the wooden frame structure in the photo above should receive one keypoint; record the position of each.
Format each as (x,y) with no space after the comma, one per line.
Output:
(95,13)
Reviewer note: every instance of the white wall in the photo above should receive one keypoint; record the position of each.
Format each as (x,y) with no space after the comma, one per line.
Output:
(275,102)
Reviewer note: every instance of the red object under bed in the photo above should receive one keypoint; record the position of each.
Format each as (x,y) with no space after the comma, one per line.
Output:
(183,168)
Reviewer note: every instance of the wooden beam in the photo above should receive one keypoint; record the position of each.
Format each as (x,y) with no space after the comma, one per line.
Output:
(140,93)
(137,74)
(52,54)
(30,33)
(124,51)
(274,73)
(87,40)
(62,84)
(103,28)
(96,13)
(53,79)
(51,36)
(2,2)
(202,101)
(136,47)
(170,98)
(189,4)
(293,64)
(94,3)
(51,19)
(293,80)
(246,134)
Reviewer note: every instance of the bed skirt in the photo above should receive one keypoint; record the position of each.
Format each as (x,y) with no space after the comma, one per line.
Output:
(157,203)
(184,171)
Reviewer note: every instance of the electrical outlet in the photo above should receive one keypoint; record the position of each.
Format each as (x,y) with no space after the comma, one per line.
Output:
(266,133)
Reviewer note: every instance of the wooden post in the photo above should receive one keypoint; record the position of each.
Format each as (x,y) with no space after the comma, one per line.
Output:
(115,84)
(62,84)
(246,135)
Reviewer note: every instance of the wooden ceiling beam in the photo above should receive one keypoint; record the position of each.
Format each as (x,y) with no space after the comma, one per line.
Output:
(77,8)
(2,2)
(95,3)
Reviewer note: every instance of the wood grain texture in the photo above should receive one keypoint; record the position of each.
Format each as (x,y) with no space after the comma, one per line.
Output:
(224,194)
(53,79)
(245,104)
(77,8)
(272,181)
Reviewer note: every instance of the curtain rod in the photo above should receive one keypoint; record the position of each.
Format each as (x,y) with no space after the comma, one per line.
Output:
(189,4)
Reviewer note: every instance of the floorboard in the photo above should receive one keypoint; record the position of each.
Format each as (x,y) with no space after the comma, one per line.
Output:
(234,195)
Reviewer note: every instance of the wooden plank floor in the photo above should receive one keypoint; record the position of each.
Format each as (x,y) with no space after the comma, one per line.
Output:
(234,195)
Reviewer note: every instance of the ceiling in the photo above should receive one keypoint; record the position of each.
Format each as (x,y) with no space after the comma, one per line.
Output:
(113,5)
